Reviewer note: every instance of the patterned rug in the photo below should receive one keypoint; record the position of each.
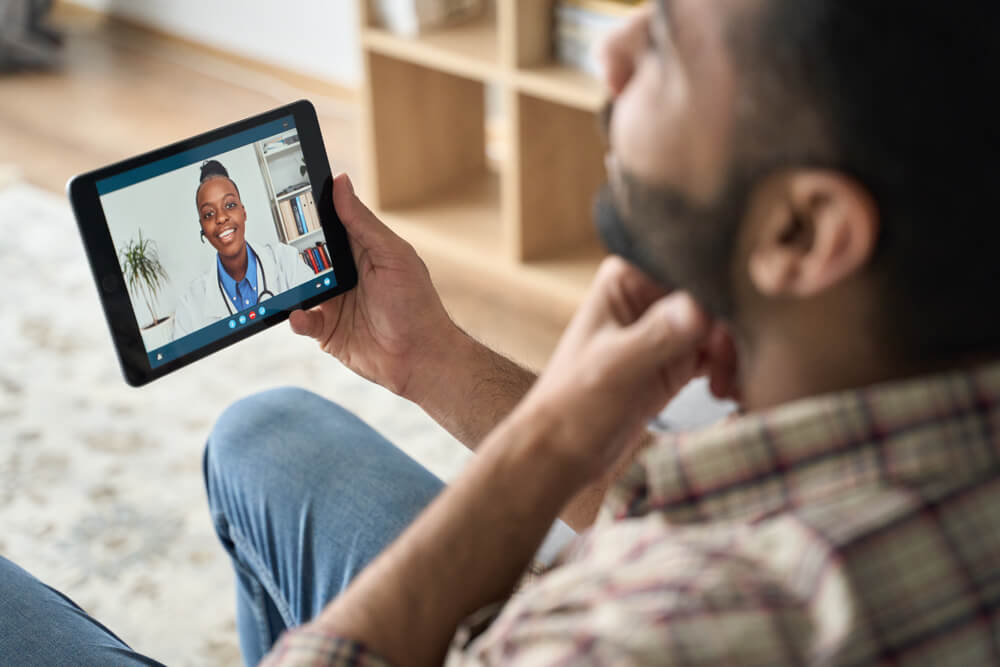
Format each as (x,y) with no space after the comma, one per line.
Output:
(101,493)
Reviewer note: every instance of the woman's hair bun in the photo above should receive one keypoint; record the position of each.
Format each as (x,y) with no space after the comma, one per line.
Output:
(211,168)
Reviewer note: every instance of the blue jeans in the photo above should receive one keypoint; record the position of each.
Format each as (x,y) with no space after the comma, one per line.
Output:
(303,495)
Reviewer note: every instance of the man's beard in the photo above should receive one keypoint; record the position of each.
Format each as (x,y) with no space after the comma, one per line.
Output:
(678,243)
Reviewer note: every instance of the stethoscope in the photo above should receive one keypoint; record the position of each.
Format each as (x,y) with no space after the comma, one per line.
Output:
(261,280)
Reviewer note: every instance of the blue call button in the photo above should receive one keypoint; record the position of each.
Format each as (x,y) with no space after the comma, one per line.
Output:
(243,319)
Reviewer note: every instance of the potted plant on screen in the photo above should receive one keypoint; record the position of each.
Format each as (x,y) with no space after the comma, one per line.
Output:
(144,274)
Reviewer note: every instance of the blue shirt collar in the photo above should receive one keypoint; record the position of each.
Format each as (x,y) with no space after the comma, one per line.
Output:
(248,286)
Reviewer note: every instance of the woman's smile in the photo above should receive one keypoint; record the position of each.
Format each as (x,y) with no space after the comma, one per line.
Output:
(227,235)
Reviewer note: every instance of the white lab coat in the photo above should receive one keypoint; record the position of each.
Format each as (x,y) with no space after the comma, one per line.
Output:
(203,304)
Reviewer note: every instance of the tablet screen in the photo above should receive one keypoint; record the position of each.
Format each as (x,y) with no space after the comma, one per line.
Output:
(217,238)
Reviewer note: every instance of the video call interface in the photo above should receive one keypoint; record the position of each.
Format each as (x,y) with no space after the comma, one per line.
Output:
(217,238)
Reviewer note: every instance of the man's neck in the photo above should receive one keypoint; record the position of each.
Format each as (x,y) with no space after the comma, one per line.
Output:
(782,370)
(236,266)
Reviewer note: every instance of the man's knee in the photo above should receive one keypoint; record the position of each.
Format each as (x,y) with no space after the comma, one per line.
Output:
(285,435)
(250,424)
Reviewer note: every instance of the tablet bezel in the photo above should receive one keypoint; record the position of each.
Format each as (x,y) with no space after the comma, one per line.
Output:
(103,257)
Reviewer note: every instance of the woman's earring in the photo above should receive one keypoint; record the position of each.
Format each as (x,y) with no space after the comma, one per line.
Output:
(202,232)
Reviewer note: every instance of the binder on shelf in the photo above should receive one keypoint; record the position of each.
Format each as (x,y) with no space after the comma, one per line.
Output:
(287,219)
(300,223)
(305,200)
(312,218)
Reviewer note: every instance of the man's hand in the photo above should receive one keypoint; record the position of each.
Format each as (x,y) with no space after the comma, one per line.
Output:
(393,323)
(630,348)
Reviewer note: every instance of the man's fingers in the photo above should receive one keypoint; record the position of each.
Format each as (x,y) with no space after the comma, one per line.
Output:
(623,289)
(722,363)
(306,322)
(672,327)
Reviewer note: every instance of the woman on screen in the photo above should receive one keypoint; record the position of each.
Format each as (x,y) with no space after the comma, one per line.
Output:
(241,276)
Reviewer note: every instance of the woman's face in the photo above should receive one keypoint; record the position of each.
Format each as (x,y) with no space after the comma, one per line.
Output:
(222,216)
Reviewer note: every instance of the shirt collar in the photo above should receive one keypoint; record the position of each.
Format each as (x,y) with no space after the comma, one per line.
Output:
(941,429)
(228,284)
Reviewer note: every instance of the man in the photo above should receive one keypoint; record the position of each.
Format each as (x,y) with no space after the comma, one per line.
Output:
(813,174)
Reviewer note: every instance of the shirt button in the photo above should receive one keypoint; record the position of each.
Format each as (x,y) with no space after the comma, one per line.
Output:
(247,302)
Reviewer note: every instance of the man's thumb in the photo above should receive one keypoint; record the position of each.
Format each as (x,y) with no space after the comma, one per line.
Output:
(306,322)
(360,222)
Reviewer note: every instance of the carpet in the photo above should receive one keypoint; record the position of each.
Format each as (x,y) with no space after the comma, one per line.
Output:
(101,493)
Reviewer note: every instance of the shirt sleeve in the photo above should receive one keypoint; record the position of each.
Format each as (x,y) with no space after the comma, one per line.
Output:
(307,647)
(642,594)
(639,593)
(311,647)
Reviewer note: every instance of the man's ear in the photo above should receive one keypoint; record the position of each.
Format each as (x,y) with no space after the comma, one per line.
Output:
(819,228)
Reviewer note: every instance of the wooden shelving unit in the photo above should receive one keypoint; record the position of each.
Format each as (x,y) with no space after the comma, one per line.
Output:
(523,227)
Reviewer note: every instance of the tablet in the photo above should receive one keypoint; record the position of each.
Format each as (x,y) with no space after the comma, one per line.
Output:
(205,242)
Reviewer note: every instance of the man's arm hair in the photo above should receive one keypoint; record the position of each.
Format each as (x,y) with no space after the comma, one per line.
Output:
(474,388)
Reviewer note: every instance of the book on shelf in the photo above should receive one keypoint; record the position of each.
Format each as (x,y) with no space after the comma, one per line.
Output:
(412,17)
(581,26)
(307,258)
(317,258)
(324,255)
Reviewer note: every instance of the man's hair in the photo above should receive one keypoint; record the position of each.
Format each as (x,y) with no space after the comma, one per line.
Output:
(899,95)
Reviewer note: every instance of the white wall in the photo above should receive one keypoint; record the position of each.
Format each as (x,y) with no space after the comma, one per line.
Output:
(164,209)
(315,37)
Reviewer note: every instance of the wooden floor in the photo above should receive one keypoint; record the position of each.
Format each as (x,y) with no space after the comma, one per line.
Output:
(123,90)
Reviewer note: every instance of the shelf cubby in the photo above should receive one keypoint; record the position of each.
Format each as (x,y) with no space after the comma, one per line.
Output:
(429,128)
(560,166)
(469,50)
(524,226)
(463,224)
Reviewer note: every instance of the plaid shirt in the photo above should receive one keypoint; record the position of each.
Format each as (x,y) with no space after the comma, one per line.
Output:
(856,529)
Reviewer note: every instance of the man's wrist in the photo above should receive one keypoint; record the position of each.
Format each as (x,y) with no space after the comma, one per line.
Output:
(445,352)
(465,386)
(538,434)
